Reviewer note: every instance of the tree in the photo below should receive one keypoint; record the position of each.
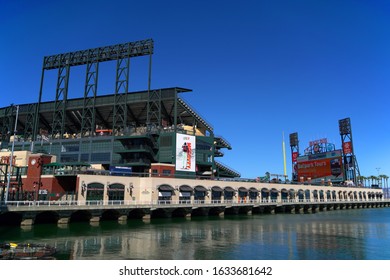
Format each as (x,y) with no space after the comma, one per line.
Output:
(384,180)
(372,178)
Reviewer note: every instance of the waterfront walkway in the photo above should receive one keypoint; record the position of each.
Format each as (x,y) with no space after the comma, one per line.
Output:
(63,212)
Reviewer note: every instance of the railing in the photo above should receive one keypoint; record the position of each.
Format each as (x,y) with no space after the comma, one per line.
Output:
(168,203)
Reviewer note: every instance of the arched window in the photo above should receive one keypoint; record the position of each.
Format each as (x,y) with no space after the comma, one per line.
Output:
(165,193)
(116,192)
(95,192)
(216,194)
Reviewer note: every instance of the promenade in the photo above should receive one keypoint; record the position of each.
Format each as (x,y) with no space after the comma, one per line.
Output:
(63,212)
(102,197)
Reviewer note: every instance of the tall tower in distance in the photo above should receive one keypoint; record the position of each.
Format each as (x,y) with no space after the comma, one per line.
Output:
(294,144)
(351,168)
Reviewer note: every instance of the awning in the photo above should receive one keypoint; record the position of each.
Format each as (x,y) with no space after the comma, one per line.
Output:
(242,189)
(185,194)
(265,190)
(185,188)
(55,164)
(217,189)
(95,186)
(228,189)
(166,188)
(165,194)
(253,190)
(116,187)
(200,189)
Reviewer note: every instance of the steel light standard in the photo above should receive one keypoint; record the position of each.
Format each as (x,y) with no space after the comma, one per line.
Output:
(12,156)
(377,178)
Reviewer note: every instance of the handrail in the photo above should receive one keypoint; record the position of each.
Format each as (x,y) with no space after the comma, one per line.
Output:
(169,203)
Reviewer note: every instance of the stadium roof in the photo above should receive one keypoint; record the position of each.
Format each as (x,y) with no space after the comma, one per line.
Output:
(137,103)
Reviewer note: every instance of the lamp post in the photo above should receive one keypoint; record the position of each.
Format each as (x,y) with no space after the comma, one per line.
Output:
(12,156)
(377,170)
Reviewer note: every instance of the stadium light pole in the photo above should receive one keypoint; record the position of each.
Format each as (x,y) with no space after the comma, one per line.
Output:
(12,156)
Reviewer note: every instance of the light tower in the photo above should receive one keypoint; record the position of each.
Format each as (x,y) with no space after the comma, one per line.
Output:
(351,169)
(294,155)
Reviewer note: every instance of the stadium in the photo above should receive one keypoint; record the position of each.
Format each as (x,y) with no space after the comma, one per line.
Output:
(125,131)
(127,146)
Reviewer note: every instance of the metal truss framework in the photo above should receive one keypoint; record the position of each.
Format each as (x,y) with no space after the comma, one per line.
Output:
(351,168)
(90,92)
(294,144)
(121,88)
(7,123)
(60,101)
(91,58)
(154,108)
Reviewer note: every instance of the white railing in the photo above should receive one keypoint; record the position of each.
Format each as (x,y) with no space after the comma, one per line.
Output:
(169,203)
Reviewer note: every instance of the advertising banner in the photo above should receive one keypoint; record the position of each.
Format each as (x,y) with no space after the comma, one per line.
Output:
(347,148)
(294,156)
(322,168)
(185,152)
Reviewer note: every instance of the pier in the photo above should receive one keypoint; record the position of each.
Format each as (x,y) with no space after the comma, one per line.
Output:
(102,197)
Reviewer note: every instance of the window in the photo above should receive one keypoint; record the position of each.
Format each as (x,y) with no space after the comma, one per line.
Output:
(84,157)
(70,158)
(98,157)
(166,172)
(101,146)
(65,148)
(202,145)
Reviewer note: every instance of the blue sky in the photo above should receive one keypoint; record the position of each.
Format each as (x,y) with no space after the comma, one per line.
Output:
(257,69)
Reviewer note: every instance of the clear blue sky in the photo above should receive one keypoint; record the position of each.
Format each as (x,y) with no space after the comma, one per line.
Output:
(256,68)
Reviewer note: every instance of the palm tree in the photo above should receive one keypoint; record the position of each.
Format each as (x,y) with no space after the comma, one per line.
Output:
(386,181)
(372,178)
(380,178)
(366,181)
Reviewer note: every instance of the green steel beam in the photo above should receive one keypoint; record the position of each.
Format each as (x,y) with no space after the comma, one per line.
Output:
(114,52)
(121,89)
(90,57)
(149,108)
(58,125)
(30,118)
(35,115)
(90,92)
(7,123)
(154,108)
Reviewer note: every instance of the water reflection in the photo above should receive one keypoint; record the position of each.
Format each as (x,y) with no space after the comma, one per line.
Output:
(352,234)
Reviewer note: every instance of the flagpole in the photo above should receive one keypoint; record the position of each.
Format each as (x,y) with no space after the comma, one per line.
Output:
(284,158)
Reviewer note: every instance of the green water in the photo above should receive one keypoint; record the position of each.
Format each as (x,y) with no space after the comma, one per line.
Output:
(343,234)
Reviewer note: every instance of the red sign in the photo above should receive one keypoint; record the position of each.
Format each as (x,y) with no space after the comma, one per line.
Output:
(347,148)
(320,168)
(294,156)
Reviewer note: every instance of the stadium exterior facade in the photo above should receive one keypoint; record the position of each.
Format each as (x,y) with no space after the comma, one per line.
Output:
(119,132)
